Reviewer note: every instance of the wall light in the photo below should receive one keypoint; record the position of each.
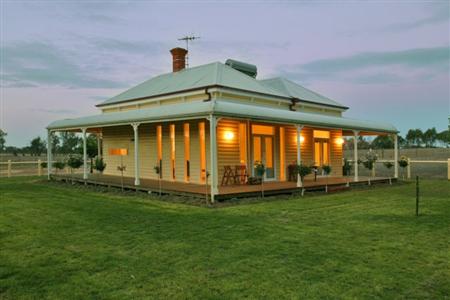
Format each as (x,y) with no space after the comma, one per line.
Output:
(339,141)
(229,135)
(302,139)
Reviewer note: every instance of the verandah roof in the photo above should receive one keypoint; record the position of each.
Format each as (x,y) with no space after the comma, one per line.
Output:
(219,108)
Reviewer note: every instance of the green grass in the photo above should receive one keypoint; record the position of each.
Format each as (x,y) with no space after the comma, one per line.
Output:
(58,241)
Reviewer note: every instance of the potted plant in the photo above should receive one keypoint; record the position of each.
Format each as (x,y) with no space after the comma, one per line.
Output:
(369,163)
(389,166)
(99,165)
(347,169)
(59,165)
(157,169)
(302,171)
(403,162)
(326,170)
(260,170)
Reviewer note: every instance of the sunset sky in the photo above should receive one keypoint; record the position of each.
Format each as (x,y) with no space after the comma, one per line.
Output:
(388,61)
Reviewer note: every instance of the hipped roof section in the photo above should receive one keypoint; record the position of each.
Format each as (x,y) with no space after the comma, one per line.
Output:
(219,108)
(218,75)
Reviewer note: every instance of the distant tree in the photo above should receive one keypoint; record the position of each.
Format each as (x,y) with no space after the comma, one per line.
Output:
(3,135)
(363,143)
(37,146)
(14,150)
(55,143)
(444,137)
(382,142)
(91,148)
(414,137)
(429,137)
(70,143)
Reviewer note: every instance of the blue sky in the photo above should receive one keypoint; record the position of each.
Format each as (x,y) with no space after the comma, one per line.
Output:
(386,60)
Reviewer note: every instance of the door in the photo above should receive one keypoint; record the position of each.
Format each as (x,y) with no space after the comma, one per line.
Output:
(263,152)
(321,153)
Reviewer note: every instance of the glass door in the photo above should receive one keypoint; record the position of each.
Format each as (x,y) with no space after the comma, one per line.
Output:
(321,153)
(263,152)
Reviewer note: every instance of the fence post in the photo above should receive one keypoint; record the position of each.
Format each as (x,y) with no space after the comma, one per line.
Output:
(39,167)
(9,168)
(373,169)
(448,169)
(408,169)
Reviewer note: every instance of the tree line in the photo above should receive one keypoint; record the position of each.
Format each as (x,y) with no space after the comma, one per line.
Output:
(63,143)
(414,138)
(69,142)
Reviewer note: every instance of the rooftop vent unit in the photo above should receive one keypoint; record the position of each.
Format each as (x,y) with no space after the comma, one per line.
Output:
(247,69)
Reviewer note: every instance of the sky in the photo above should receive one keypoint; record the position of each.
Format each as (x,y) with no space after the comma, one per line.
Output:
(386,60)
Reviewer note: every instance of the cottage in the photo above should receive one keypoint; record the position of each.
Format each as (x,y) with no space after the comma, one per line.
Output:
(206,127)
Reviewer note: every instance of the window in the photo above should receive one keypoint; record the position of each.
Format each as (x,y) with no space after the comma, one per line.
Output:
(262,129)
(202,138)
(172,149)
(321,134)
(243,143)
(187,152)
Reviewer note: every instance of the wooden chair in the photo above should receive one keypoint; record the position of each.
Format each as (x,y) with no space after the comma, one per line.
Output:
(240,174)
(228,175)
(292,172)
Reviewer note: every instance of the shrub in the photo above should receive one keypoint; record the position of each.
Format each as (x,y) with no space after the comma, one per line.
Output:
(347,167)
(99,164)
(388,164)
(74,161)
(260,168)
(303,170)
(326,169)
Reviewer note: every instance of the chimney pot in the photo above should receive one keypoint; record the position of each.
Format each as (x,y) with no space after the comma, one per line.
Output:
(178,58)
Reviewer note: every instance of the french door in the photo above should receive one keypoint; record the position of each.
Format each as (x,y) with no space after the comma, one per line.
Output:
(263,152)
(321,152)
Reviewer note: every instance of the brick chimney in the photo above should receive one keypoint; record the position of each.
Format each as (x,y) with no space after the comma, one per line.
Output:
(178,58)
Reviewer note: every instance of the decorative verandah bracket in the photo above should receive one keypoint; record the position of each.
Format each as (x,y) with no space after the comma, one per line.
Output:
(299,153)
(355,153)
(135,126)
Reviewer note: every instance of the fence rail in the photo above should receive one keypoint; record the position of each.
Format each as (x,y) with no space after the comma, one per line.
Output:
(38,169)
(29,168)
(410,164)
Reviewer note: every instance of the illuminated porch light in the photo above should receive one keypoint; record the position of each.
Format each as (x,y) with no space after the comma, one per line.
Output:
(339,141)
(229,135)
(302,139)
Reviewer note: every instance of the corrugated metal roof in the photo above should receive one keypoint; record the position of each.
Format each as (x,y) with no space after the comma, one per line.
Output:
(213,74)
(220,108)
(295,90)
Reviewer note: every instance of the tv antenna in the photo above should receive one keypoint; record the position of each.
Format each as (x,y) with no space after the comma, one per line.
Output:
(187,39)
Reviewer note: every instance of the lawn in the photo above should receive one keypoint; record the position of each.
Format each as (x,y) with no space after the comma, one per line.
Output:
(59,241)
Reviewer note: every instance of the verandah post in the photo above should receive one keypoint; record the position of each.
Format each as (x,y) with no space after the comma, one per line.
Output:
(299,154)
(395,156)
(355,153)
(213,150)
(137,181)
(85,167)
(49,154)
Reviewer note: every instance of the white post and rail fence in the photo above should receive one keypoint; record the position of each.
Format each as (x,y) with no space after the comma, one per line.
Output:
(407,169)
(11,168)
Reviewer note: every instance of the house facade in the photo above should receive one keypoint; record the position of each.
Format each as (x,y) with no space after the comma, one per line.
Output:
(211,124)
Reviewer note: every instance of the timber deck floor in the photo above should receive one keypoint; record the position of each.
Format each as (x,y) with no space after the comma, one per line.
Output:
(228,191)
